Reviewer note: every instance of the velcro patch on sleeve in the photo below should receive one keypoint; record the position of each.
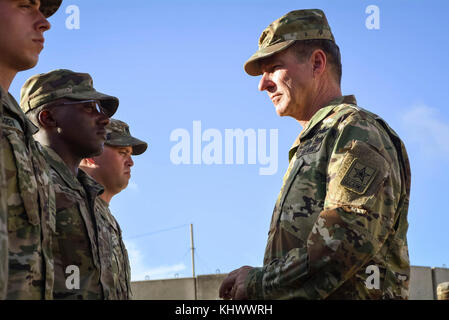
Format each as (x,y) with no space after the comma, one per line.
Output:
(358,176)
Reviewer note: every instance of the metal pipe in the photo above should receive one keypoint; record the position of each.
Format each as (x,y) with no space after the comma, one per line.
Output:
(193,259)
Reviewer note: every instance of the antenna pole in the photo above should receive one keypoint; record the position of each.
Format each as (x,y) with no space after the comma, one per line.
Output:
(192,247)
(193,250)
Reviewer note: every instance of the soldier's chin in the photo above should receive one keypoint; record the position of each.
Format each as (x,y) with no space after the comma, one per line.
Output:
(95,151)
(280,110)
(121,185)
(125,184)
(27,64)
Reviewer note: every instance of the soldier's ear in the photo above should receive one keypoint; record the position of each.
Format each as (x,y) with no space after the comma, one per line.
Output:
(88,162)
(319,62)
(46,119)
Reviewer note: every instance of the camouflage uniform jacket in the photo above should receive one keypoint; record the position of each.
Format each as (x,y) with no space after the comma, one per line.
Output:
(115,269)
(75,249)
(31,207)
(3,218)
(340,220)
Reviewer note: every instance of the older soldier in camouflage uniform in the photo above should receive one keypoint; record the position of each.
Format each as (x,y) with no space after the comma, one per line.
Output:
(26,196)
(113,169)
(72,117)
(338,229)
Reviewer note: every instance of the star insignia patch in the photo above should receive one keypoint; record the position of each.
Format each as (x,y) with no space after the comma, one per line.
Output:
(358,177)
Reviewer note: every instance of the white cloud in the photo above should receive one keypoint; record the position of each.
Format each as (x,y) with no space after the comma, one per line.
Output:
(426,128)
(140,272)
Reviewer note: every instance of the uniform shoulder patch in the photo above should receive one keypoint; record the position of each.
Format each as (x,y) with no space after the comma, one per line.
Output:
(358,176)
(361,172)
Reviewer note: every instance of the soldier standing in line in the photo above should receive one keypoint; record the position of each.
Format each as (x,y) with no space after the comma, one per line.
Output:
(26,195)
(112,169)
(3,218)
(71,116)
(339,226)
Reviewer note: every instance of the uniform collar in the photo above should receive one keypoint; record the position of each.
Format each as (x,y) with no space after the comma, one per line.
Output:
(91,186)
(103,203)
(77,183)
(319,116)
(13,108)
(106,213)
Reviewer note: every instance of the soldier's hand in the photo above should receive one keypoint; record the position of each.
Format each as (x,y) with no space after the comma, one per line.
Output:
(233,287)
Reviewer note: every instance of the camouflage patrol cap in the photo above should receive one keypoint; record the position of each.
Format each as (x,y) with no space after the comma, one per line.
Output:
(296,25)
(118,135)
(43,88)
(443,291)
(49,7)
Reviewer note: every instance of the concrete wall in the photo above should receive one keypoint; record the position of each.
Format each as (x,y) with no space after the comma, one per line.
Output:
(208,285)
(167,289)
(423,284)
(179,289)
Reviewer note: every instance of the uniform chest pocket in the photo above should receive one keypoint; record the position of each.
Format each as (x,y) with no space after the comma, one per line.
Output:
(68,218)
(65,198)
(303,202)
(120,265)
(304,199)
(111,247)
(74,243)
(21,180)
(294,166)
(108,235)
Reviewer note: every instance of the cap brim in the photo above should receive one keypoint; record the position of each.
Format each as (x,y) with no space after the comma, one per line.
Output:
(138,146)
(49,7)
(108,103)
(252,66)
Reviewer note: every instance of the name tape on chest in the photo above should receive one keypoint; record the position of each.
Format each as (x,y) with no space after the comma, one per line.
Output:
(312,145)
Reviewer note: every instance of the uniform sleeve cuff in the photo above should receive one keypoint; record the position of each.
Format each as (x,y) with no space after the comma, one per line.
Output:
(253,284)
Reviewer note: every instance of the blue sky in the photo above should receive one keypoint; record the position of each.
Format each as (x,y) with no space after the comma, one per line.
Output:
(172,63)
